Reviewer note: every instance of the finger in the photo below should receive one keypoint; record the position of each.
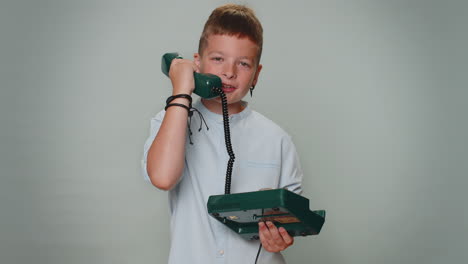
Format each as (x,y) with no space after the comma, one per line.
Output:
(276,238)
(262,231)
(266,232)
(180,60)
(195,67)
(184,63)
(286,237)
(175,61)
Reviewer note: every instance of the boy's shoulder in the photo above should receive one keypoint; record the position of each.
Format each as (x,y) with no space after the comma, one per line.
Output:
(263,124)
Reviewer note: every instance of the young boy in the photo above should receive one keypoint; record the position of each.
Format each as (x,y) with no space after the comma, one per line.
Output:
(230,47)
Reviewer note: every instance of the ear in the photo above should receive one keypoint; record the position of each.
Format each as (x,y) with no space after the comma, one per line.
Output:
(257,73)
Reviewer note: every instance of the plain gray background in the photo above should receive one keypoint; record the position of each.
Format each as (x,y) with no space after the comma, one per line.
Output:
(372,92)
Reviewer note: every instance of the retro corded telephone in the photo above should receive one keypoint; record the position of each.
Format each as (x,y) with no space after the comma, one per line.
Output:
(241,212)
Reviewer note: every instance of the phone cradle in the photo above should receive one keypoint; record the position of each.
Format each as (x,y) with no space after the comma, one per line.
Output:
(241,212)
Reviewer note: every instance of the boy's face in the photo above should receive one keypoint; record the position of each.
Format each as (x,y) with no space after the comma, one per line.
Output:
(234,60)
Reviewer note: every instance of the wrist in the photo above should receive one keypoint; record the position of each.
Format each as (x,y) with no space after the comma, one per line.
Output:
(183,101)
(175,98)
(180,100)
(183,90)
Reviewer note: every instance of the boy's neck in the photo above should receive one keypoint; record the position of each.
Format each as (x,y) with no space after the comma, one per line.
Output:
(215,106)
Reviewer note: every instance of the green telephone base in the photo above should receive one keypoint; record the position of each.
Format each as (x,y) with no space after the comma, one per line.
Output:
(241,212)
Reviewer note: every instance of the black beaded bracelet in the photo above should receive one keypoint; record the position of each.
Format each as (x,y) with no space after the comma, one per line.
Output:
(186,96)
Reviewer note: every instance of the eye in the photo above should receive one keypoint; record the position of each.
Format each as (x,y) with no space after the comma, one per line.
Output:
(217,59)
(245,64)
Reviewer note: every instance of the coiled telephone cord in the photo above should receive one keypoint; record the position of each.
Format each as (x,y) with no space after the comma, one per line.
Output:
(227,139)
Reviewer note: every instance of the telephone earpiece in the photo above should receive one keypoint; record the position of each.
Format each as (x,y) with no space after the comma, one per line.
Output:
(204,83)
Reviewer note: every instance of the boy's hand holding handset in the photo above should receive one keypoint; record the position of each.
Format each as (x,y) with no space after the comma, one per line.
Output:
(181,75)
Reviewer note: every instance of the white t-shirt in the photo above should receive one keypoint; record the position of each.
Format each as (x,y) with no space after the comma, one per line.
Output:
(265,158)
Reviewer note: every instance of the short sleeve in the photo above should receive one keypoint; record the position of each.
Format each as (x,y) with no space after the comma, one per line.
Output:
(155,125)
(291,171)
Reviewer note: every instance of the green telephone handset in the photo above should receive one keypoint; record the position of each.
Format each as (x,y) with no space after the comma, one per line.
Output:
(204,83)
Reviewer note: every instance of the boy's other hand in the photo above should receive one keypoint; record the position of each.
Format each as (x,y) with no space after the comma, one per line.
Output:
(181,74)
(274,239)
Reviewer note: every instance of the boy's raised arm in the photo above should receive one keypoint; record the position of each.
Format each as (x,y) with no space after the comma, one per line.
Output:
(165,162)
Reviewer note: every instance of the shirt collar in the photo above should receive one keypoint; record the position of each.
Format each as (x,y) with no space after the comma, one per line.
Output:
(219,118)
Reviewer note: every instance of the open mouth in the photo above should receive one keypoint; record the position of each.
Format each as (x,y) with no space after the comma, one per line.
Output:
(228,88)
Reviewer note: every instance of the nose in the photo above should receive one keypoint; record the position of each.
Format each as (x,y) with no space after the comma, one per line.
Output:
(229,71)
